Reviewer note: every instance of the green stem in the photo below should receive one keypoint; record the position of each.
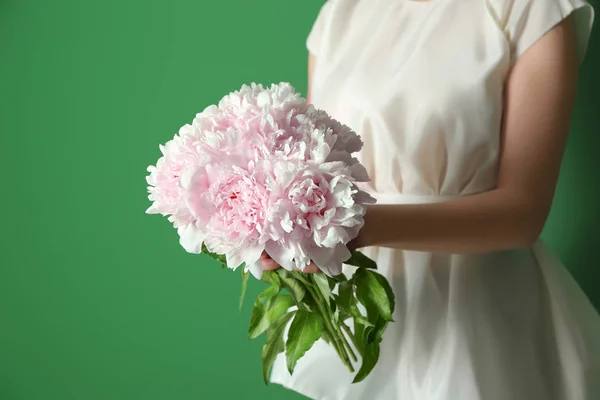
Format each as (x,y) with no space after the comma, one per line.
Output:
(338,332)
(345,341)
(349,332)
(336,339)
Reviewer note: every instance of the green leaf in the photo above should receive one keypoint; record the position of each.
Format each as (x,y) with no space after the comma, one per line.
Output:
(358,259)
(325,337)
(336,279)
(219,257)
(376,332)
(348,304)
(332,281)
(305,330)
(274,344)
(308,304)
(320,279)
(367,334)
(346,294)
(342,314)
(295,288)
(279,306)
(370,356)
(259,321)
(245,275)
(333,306)
(271,277)
(301,277)
(362,334)
(379,320)
(388,290)
(372,291)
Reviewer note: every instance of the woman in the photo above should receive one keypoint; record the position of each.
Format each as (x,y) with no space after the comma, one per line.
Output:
(464,107)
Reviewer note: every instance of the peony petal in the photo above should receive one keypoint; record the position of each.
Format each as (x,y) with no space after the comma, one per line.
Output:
(283,255)
(284,173)
(363,197)
(153,209)
(234,260)
(251,255)
(331,235)
(320,153)
(359,173)
(256,269)
(190,238)
(301,257)
(286,223)
(187,177)
(330,260)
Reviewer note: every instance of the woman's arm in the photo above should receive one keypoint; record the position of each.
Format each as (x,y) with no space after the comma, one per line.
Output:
(311,67)
(539,98)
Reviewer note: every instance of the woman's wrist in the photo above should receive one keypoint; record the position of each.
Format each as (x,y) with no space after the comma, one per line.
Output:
(368,234)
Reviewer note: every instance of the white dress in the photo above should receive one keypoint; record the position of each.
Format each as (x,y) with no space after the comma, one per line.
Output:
(421,82)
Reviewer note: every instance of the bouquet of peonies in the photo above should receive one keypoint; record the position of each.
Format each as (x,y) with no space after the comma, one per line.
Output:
(262,171)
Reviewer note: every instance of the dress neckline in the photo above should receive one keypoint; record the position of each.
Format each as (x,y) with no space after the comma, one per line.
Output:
(420,2)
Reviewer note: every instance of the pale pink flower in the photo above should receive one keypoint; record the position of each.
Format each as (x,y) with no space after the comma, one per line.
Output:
(263,171)
(179,154)
(314,214)
(230,202)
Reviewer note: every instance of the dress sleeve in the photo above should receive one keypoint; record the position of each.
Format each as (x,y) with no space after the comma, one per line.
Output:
(313,41)
(526,21)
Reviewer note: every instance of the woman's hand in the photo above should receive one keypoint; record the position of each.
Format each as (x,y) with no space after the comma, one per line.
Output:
(363,239)
(269,264)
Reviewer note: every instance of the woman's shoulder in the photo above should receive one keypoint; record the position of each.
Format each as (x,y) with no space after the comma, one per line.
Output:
(332,16)
(509,9)
(525,21)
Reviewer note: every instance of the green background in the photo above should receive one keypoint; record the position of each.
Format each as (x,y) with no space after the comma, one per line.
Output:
(97,299)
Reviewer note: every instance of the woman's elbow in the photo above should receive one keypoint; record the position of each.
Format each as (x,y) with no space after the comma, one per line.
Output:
(532,228)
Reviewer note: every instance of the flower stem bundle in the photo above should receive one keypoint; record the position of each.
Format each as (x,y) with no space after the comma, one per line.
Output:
(263,171)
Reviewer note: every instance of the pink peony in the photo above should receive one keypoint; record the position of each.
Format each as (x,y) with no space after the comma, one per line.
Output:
(314,213)
(230,202)
(179,155)
(263,171)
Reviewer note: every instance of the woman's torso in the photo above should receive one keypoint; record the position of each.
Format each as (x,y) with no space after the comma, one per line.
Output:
(422,86)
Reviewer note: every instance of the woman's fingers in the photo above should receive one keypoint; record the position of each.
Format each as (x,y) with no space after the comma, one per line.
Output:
(269,264)
(310,269)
